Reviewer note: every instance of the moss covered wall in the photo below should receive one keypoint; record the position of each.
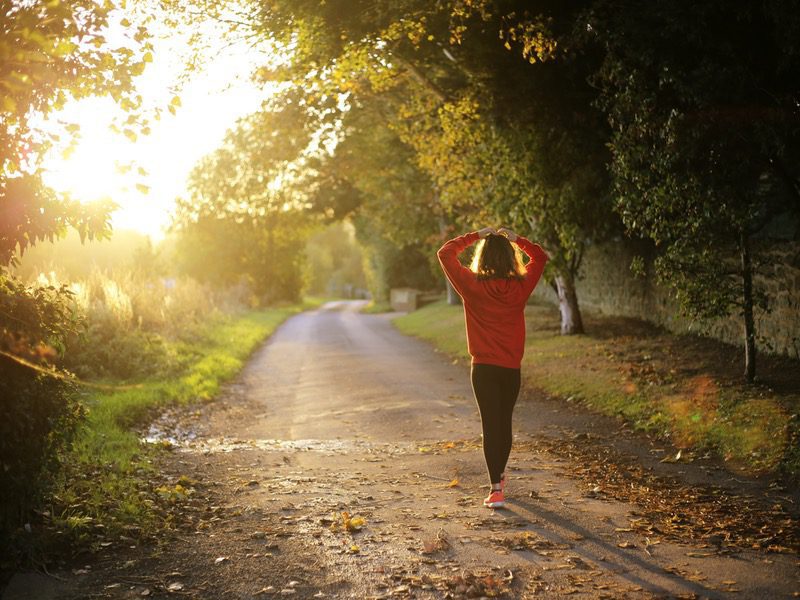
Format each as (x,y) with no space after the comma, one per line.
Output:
(607,286)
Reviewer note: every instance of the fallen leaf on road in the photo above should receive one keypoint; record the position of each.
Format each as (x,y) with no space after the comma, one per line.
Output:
(221,560)
(354,523)
(175,587)
(453,483)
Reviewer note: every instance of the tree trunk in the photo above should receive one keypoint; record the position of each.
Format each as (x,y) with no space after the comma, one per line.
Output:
(452,296)
(571,321)
(747,306)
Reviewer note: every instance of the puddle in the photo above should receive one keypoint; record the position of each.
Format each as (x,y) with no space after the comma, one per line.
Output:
(163,431)
(188,442)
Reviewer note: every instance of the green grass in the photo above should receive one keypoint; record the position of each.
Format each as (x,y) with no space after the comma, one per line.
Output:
(105,477)
(670,385)
(373,308)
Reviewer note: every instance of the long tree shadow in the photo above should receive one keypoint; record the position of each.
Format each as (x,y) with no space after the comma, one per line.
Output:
(626,565)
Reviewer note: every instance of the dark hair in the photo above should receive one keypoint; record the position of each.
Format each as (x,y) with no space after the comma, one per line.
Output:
(496,258)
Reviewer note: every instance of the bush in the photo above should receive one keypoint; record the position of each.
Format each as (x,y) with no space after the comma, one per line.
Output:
(129,318)
(40,414)
(40,410)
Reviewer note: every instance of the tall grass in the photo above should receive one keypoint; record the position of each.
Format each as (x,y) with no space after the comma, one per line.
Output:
(132,319)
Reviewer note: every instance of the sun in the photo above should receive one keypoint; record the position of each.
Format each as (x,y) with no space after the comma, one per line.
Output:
(143,177)
(90,171)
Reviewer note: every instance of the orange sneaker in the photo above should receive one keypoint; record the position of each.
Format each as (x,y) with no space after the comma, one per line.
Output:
(495,500)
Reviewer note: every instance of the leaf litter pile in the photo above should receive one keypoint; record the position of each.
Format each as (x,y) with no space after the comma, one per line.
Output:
(464,584)
(718,518)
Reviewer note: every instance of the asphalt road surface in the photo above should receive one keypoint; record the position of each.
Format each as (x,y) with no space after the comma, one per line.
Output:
(345,462)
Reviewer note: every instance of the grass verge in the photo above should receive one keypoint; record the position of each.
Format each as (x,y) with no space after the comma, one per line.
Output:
(107,481)
(684,388)
(373,308)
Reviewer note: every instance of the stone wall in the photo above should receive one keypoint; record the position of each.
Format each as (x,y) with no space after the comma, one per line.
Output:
(607,286)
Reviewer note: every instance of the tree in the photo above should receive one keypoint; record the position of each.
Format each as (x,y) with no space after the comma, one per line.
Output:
(396,213)
(705,139)
(506,135)
(50,53)
(241,220)
(335,261)
(525,145)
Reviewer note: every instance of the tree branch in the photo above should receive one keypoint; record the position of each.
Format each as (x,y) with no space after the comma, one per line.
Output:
(421,78)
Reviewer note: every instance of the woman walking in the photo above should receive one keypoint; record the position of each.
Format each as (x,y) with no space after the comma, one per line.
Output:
(495,291)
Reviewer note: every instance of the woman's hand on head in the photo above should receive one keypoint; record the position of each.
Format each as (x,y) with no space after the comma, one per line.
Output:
(482,233)
(512,237)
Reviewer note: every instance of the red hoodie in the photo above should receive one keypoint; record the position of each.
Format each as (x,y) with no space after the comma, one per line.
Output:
(493,308)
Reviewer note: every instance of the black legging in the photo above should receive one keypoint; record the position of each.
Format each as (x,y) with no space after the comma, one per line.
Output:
(496,390)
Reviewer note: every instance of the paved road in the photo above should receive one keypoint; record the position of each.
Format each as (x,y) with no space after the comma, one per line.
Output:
(340,418)
(380,425)
(336,373)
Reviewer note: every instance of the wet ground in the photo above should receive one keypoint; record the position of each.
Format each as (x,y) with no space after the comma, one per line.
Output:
(345,462)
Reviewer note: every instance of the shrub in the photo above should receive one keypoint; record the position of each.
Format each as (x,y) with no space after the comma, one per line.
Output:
(40,410)
(129,316)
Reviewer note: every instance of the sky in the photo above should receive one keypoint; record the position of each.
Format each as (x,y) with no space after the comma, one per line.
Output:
(211,101)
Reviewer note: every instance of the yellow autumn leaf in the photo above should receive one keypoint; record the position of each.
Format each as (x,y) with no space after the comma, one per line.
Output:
(453,483)
(356,523)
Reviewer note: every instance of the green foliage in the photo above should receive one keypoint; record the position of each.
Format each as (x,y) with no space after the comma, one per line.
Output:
(40,411)
(394,208)
(442,121)
(242,222)
(266,255)
(388,265)
(133,320)
(52,52)
(335,261)
(40,416)
(705,140)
